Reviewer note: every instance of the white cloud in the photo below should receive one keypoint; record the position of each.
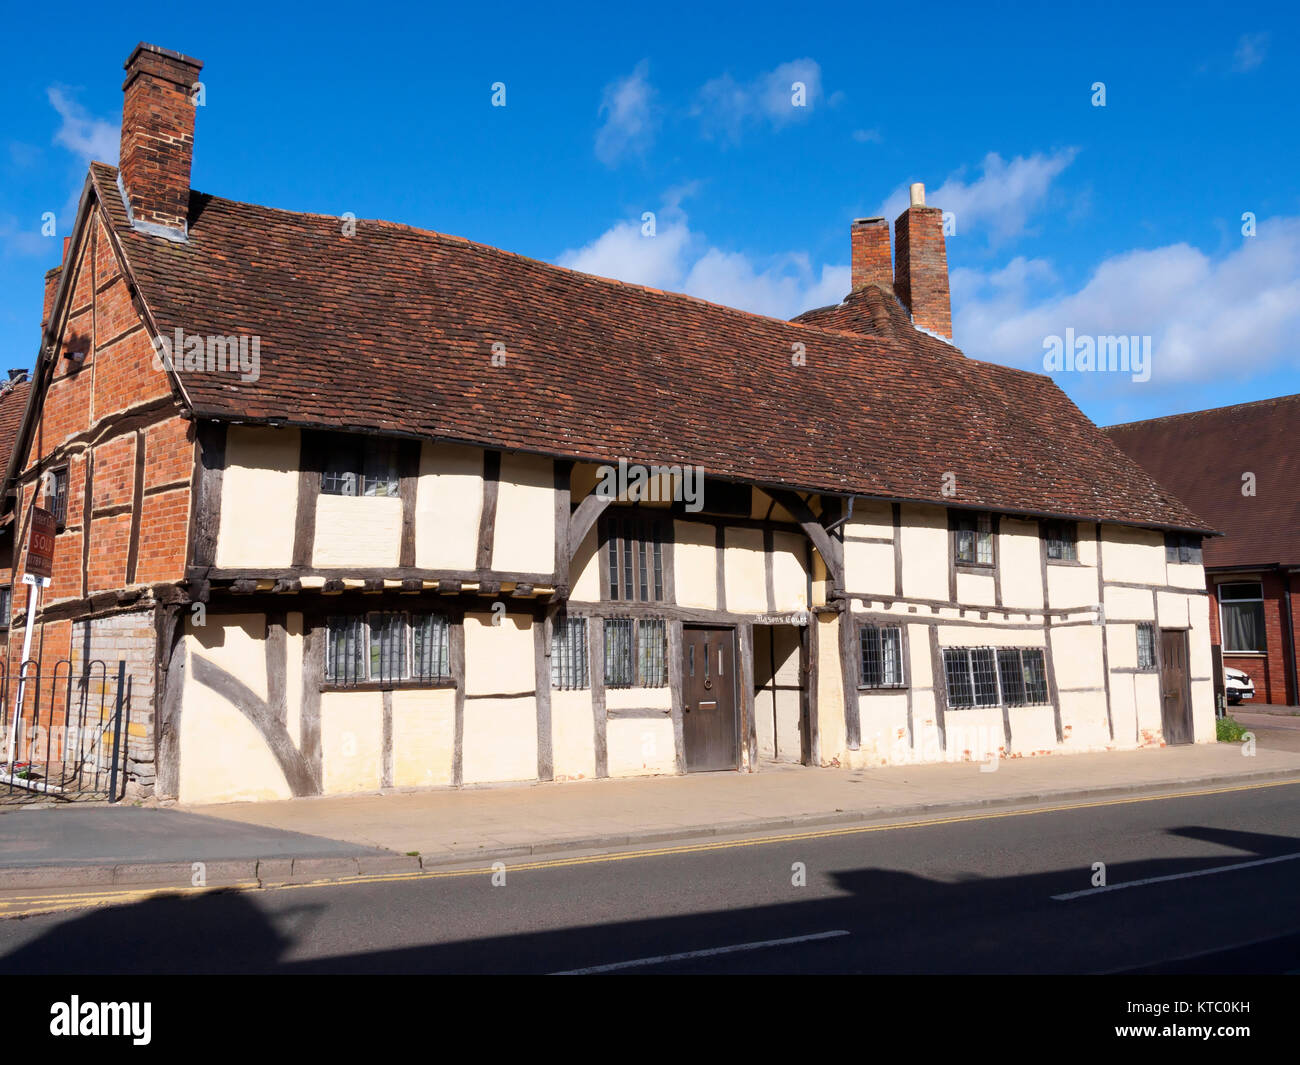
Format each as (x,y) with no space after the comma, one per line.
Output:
(1000,201)
(87,137)
(679,260)
(1250,52)
(726,108)
(1235,315)
(628,108)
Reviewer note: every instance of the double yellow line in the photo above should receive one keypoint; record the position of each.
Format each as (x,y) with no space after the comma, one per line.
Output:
(32,905)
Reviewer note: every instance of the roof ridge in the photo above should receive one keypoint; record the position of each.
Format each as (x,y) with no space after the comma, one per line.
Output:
(492,248)
(1207,410)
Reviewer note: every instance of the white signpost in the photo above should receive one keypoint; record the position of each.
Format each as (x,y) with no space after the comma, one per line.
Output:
(37,574)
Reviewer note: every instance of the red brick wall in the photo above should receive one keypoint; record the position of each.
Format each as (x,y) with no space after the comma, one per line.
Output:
(871,263)
(921,268)
(75,427)
(1268,671)
(158,136)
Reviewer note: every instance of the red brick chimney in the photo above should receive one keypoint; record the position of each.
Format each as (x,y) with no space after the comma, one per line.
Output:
(51,287)
(158,139)
(921,265)
(869,253)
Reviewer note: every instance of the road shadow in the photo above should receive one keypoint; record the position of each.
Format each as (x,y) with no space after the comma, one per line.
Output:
(899,922)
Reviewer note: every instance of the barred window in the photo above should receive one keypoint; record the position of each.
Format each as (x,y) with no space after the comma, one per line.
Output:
(385,648)
(973,538)
(636,653)
(987,676)
(431,644)
(1023,676)
(569,654)
(361,466)
(882,656)
(6,605)
(1146,637)
(345,657)
(1180,547)
(634,559)
(1062,540)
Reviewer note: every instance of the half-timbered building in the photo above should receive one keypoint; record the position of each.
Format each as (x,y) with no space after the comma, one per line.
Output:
(367,506)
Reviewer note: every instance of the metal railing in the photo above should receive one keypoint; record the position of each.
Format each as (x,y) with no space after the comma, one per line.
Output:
(64,736)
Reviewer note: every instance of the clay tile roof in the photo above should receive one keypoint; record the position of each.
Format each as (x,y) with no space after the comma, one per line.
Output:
(13,402)
(392,330)
(1201,457)
(872,310)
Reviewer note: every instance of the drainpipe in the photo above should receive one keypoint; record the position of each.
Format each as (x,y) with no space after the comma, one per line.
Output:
(1290,638)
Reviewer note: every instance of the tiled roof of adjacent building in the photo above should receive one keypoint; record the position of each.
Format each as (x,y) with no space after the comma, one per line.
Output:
(1203,456)
(13,402)
(393,329)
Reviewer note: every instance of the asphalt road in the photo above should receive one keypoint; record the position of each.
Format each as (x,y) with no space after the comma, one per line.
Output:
(974,895)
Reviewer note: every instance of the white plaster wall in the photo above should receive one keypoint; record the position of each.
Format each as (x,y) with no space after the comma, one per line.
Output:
(424,737)
(448,505)
(789,572)
(1129,604)
(357,531)
(925,552)
(1020,563)
(499,658)
(1033,730)
(640,746)
(1133,555)
(584,569)
(500,740)
(573,736)
(745,571)
(1077,656)
(695,564)
(223,757)
(259,497)
(638,698)
(1071,586)
(975,589)
(524,532)
(1083,721)
(869,568)
(351,733)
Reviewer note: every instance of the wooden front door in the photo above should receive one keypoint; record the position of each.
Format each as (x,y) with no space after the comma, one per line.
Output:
(1175,694)
(709,722)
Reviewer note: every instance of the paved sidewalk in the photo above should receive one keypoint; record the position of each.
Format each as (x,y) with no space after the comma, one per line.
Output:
(303,840)
(498,821)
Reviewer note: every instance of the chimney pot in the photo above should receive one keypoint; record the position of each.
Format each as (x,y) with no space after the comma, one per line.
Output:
(918,194)
(158,139)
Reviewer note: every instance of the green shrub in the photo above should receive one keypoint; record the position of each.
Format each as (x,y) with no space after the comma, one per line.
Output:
(1230,729)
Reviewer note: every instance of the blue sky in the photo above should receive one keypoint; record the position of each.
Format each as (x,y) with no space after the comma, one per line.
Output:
(1122,219)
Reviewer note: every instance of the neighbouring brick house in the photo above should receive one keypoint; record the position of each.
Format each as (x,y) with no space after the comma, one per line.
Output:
(390,508)
(1239,467)
(13,404)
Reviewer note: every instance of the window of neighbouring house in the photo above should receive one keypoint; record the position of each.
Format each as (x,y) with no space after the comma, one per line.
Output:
(881,656)
(1146,637)
(569,654)
(388,647)
(636,653)
(1062,538)
(6,605)
(360,466)
(56,495)
(995,676)
(973,539)
(634,558)
(1241,616)
(1181,547)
